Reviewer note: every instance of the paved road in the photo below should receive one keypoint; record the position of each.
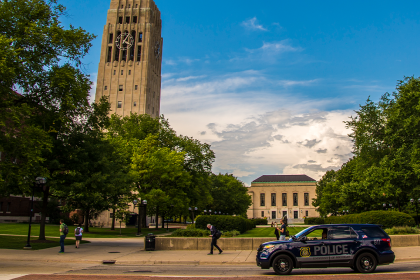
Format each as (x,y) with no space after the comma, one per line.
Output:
(64,271)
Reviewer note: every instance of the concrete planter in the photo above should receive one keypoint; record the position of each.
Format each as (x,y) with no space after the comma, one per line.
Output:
(194,243)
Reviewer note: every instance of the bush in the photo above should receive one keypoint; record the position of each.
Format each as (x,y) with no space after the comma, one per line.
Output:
(232,233)
(402,230)
(190,233)
(314,221)
(260,221)
(386,218)
(225,223)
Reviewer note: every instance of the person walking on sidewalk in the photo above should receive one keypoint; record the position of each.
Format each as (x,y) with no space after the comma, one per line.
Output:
(215,234)
(63,232)
(78,234)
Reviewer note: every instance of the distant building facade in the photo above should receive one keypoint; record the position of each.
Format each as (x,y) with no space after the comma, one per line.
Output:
(277,196)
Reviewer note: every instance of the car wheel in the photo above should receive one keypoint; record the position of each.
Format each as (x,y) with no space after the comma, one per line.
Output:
(366,263)
(282,265)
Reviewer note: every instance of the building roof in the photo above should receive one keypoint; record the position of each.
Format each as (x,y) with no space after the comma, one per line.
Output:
(283,178)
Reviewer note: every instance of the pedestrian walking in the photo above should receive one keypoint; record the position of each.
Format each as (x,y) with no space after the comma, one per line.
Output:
(64,230)
(215,234)
(78,234)
(282,231)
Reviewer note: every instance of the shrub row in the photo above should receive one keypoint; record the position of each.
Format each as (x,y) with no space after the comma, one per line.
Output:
(386,218)
(260,221)
(225,223)
(190,232)
(402,230)
(314,221)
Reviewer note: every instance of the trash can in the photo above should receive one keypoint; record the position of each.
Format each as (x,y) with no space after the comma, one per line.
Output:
(150,242)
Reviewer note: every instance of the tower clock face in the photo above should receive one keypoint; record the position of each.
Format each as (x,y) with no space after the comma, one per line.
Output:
(157,49)
(124,41)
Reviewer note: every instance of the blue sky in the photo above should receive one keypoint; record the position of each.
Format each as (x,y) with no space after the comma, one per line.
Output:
(269,85)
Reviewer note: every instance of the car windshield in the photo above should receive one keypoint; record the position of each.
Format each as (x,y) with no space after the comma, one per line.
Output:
(304,232)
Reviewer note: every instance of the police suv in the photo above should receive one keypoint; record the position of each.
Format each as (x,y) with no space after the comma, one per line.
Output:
(359,246)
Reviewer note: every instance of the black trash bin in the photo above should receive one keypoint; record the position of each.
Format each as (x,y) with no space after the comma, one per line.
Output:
(150,242)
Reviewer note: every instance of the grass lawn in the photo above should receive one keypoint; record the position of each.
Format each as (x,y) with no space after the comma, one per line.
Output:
(18,242)
(94,232)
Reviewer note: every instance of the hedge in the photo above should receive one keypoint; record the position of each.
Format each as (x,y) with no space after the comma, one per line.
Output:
(193,232)
(386,218)
(225,223)
(260,221)
(314,221)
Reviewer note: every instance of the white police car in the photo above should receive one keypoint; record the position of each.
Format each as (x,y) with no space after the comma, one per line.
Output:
(359,246)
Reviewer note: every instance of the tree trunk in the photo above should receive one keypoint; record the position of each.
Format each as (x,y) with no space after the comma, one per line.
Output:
(163,221)
(43,213)
(87,213)
(157,217)
(113,219)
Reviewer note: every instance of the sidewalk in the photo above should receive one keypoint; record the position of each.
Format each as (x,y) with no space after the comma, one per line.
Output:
(130,251)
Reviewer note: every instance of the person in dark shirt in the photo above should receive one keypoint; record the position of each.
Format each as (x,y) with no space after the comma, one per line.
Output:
(214,236)
(282,231)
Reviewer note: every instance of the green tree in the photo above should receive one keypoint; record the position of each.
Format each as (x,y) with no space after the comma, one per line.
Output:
(230,196)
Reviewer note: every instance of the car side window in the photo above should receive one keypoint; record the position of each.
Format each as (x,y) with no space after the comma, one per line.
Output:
(341,233)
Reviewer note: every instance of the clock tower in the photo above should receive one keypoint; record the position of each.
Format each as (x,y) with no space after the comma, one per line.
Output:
(129,70)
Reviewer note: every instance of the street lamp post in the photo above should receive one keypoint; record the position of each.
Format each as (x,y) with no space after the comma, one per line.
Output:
(138,218)
(417,213)
(38,181)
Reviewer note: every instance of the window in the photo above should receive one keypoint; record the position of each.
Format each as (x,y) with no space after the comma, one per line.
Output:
(374,232)
(134,19)
(341,233)
(262,199)
(135,104)
(284,199)
(306,196)
(111,215)
(306,213)
(120,20)
(121,88)
(262,214)
(122,6)
(106,87)
(122,72)
(140,37)
(284,214)
(115,72)
(273,214)
(129,72)
(109,54)
(127,19)
(273,199)
(117,51)
(111,38)
(135,87)
(132,49)
(295,199)
(138,53)
(137,5)
(124,55)
(119,104)
(129,6)
(295,215)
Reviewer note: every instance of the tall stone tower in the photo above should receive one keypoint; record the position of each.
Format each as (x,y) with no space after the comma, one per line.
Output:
(129,70)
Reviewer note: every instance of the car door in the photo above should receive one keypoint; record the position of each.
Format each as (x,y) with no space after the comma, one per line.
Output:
(343,243)
(312,252)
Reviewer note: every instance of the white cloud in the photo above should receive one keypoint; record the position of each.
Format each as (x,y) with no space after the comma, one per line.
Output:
(255,132)
(253,25)
(92,92)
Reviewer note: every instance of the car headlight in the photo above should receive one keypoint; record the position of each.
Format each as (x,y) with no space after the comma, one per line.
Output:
(268,246)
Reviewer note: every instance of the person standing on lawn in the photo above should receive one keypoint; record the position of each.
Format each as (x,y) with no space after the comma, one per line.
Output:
(78,234)
(282,230)
(63,232)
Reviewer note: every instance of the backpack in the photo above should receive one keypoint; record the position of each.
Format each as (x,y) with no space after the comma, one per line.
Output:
(77,230)
(65,229)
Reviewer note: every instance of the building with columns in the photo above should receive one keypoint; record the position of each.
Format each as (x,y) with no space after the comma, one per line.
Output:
(129,70)
(277,196)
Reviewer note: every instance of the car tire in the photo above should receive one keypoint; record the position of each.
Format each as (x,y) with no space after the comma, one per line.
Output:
(282,265)
(366,263)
